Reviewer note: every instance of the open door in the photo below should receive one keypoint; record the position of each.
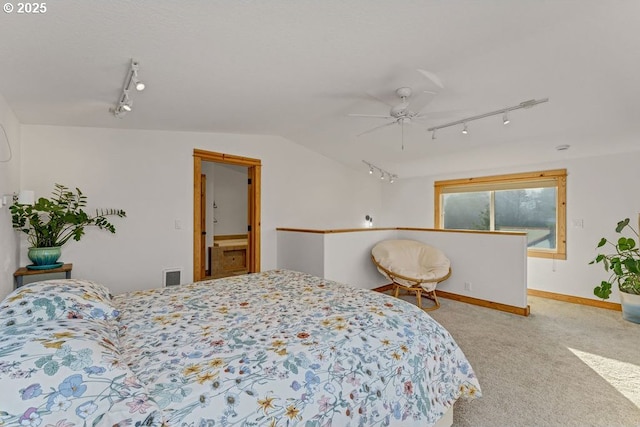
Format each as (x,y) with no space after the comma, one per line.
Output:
(253,227)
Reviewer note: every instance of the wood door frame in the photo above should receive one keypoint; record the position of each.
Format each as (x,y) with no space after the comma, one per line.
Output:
(254,167)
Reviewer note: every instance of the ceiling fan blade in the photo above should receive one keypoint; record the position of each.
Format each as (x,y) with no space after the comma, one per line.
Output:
(431,76)
(370,116)
(376,128)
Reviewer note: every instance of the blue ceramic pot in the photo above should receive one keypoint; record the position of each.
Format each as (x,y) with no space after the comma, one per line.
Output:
(630,307)
(43,257)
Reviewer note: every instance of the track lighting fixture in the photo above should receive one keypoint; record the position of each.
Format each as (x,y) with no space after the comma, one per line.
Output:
(433,134)
(392,177)
(125,104)
(504,111)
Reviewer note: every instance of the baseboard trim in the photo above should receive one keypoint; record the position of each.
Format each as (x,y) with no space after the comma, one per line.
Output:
(470,300)
(383,288)
(575,300)
(521,311)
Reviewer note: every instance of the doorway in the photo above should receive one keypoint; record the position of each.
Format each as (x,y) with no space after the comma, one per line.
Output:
(252,253)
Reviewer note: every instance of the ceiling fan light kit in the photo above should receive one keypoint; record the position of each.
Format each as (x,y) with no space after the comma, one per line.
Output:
(383,173)
(504,111)
(401,114)
(124,104)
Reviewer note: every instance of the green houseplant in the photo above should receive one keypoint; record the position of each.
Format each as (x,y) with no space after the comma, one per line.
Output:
(623,264)
(50,223)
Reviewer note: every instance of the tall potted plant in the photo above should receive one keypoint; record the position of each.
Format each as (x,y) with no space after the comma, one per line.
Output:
(623,264)
(50,223)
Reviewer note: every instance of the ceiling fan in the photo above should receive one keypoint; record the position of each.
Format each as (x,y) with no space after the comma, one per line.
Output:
(401,113)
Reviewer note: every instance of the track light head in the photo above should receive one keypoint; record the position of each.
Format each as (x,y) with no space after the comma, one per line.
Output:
(370,170)
(125,102)
(465,131)
(505,119)
(139,85)
(119,112)
(382,175)
(433,134)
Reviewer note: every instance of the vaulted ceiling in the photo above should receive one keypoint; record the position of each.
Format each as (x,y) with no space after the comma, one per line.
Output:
(298,68)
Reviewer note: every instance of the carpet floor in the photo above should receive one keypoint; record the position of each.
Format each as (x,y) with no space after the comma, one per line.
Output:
(564,365)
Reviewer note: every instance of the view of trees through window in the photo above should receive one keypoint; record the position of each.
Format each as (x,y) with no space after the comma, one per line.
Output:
(531,210)
(531,202)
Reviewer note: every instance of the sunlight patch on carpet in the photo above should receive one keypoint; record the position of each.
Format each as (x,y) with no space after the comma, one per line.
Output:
(623,376)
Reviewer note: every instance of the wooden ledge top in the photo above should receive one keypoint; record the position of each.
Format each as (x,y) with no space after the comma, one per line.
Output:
(352,230)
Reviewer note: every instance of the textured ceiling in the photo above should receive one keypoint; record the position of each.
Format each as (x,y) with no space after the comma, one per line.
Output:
(298,68)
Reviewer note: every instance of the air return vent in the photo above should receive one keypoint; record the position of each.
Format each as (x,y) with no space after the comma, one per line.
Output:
(171,276)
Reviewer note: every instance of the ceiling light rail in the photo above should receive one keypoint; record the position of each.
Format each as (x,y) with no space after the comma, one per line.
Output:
(124,104)
(383,173)
(503,111)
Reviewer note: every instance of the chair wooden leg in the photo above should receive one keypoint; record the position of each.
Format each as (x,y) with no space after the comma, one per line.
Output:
(432,295)
(419,297)
(396,291)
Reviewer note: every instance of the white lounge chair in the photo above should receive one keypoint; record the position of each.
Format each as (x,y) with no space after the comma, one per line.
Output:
(413,266)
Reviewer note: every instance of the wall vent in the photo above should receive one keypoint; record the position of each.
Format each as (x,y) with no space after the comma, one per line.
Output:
(171,277)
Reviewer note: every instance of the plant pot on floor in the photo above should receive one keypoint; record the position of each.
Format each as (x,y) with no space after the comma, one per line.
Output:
(44,258)
(630,307)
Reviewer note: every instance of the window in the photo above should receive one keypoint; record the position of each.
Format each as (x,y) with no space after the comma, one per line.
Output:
(533,202)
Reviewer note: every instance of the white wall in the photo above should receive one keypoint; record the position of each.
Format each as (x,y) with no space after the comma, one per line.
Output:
(9,183)
(149,174)
(301,252)
(231,191)
(600,191)
(348,257)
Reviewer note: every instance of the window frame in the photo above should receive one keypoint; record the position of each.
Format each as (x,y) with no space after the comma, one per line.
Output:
(558,176)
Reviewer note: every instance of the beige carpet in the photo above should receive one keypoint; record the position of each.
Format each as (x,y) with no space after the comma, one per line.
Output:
(565,365)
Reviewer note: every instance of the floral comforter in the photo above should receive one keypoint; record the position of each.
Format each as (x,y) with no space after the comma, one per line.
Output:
(278,348)
(286,348)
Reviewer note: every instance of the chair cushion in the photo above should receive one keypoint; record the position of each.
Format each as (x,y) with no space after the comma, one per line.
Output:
(411,258)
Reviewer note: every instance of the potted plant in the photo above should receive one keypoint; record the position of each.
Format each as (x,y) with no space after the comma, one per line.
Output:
(624,266)
(50,223)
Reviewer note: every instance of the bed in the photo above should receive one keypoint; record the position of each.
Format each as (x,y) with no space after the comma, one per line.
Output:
(277,348)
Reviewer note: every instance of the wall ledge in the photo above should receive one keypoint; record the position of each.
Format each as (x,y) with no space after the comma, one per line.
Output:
(351,230)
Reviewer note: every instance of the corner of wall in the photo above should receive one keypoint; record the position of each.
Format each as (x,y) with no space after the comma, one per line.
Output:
(9,183)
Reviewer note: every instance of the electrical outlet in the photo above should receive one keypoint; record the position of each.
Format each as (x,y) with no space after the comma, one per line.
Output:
(467,286)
